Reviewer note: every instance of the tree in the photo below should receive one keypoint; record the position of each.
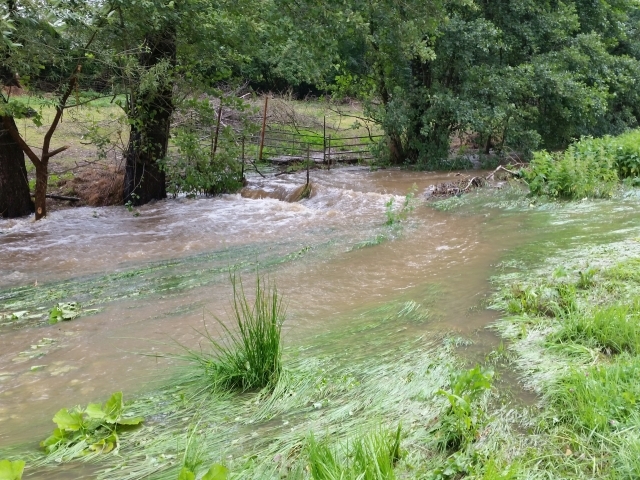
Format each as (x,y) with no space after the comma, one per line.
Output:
(149,110)
(39,36)
(15,199)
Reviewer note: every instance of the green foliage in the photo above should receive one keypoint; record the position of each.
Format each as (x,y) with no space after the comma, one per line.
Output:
(546,299)
(251,356)
(462,421)
(395,216)
(368,457)
(598,398)
(192,167)
(11,470)
(89,430)
(64,311)
(628,154)
(587,169)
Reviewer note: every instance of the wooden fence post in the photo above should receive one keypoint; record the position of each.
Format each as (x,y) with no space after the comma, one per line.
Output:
(308,151)
(264,124)
(242,160)
(215,141)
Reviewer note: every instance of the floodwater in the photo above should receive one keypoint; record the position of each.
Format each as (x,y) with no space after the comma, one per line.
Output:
(157,274)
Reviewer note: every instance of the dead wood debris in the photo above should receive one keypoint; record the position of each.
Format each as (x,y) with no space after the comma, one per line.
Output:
(465,184)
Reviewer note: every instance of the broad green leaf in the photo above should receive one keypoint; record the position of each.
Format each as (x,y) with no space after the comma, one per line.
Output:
(131,421)
(186,474)
(217,472)
(105,445)
(56,437)
(11,470)
(113,408)
(94,411)
(70,421)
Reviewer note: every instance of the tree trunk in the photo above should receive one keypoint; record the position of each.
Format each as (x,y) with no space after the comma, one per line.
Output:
(396,151)
(15,200)
(150,116)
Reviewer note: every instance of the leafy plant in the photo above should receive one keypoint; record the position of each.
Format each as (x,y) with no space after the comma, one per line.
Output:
(67,311)
(394,215)
(216,472)
(587,168)
(11,470)
(251,356)
(92,429)
(461,422)
(627,154)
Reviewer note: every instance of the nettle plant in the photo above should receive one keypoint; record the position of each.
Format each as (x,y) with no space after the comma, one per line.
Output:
(90,430)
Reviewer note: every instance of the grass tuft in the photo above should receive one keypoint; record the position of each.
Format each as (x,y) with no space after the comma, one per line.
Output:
(612,329)
(369,457)
(251,356)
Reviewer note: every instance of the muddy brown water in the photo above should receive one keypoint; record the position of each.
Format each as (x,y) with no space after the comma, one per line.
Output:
(439,259)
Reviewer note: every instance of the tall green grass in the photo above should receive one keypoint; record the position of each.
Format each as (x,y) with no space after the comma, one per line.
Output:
(251,355)
(601,398)
(612,329)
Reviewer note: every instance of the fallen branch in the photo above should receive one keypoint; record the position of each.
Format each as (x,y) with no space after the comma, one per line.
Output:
(500,167)
(61,197)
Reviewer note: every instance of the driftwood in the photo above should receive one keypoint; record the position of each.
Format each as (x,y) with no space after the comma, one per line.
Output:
(464,185)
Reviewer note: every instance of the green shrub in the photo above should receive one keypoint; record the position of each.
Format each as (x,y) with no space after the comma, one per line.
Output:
(627,154)
(251,356)
(587,169)
(460,425)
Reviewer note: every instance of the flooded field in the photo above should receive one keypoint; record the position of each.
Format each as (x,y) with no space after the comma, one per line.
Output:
(157,274)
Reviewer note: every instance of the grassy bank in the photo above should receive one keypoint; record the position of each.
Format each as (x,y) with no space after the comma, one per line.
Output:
(571,324)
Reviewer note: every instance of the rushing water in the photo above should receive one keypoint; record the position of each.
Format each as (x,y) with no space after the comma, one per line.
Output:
(156,277)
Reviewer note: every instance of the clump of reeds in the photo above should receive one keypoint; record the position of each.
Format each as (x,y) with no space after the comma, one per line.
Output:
(251,354)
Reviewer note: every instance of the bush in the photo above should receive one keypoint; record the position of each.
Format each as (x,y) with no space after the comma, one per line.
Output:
(627,154)
(589,168)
